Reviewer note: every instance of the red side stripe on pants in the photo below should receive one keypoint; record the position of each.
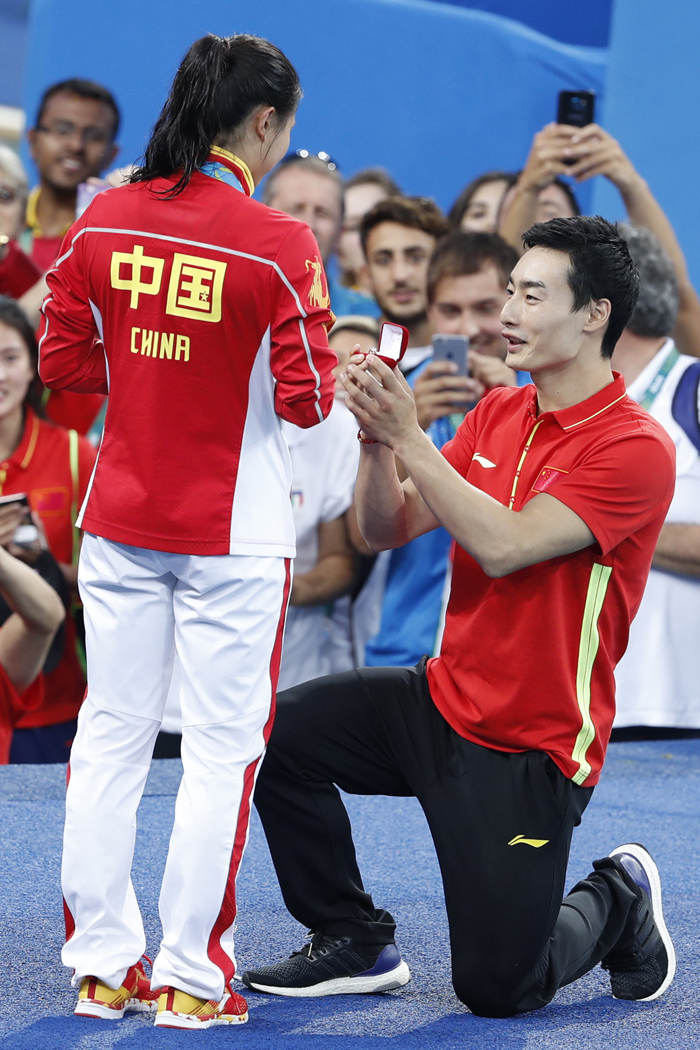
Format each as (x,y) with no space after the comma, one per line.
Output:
(277,648)
(67,916)
(228,906)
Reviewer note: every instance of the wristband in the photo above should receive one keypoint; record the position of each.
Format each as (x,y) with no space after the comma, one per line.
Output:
(364,440)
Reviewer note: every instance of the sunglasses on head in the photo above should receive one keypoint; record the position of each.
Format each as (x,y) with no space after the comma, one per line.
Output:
(303,154)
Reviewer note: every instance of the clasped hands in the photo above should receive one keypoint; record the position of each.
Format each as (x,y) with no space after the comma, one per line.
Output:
(381,400)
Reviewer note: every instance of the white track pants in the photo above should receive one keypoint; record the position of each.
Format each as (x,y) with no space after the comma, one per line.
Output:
(225,617)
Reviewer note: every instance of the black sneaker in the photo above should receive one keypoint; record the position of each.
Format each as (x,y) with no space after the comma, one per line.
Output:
(643,963)
(331,966)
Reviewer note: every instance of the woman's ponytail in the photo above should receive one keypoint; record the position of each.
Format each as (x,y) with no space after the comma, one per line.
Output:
(221,80)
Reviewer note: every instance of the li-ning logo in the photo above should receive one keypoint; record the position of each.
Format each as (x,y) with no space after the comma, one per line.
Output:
(318,293)
(483,460)
(520,840)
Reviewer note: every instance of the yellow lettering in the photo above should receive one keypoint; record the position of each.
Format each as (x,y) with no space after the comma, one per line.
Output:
(182,345)
(150,341)
(195,288)
(137,261)
(166,344)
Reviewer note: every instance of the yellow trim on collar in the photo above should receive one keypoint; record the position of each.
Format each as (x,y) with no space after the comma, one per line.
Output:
(31,219)
(32,444)
(245,170)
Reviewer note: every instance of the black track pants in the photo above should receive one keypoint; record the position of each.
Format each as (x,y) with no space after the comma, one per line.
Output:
(376,731)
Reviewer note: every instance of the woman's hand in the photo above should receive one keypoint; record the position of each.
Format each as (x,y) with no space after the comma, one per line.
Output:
(30,553)
(11,517)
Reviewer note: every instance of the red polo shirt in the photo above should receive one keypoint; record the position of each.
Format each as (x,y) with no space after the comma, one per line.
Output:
(13,705)
(527,660)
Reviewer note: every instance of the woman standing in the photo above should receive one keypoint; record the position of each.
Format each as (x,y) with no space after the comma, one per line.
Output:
(199,311)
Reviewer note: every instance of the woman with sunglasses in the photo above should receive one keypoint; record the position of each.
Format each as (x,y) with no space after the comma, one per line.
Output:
(204,314)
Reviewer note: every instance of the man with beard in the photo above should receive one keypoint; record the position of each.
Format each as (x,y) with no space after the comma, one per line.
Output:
(72,141)
(398,237)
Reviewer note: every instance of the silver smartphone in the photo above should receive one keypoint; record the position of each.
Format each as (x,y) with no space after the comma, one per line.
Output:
(453,348)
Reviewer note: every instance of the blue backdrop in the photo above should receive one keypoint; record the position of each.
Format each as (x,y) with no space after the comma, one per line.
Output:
(653,89)
(434,92)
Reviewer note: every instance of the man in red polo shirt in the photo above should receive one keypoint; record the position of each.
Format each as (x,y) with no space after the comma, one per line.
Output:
(555,495)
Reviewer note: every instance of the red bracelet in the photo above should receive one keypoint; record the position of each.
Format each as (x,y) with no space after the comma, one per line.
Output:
(364,440)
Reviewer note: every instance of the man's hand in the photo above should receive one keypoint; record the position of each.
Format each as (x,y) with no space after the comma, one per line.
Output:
(380,399)
(490,371)
(598,153)
(439,391)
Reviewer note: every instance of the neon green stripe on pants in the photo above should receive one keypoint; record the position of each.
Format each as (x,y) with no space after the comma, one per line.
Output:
(588,650)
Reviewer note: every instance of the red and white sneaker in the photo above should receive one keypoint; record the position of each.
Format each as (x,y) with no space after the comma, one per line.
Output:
(177,1009)
(96,999)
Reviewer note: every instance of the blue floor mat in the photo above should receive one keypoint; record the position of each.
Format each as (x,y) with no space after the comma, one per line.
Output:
(650,792)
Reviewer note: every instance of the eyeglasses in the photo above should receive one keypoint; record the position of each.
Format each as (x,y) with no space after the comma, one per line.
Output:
(64,129)
(8,195)
(303,154)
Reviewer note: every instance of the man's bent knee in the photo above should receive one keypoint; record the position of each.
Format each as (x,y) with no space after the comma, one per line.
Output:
(495,997)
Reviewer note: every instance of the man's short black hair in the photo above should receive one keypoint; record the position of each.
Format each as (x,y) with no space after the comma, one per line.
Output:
(83,89)
(601,267)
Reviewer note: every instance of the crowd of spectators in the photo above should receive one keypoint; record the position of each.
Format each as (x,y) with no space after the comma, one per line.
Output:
(388,257)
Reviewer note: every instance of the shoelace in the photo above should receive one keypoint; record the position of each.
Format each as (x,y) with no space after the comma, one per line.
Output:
(318,944)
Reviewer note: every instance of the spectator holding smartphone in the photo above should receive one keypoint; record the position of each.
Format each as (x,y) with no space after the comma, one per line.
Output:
(595,152)
(540,194)
(478,207)
(52,466)
(581,153)
(36,613)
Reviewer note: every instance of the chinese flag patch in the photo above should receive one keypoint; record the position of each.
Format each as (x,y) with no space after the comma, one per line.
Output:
(548,477)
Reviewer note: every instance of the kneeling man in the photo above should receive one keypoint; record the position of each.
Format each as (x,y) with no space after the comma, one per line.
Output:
(555,494)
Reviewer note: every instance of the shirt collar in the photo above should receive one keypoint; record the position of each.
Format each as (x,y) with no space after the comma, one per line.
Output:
(585,411)
(221,164)
(22,455)
(31,220)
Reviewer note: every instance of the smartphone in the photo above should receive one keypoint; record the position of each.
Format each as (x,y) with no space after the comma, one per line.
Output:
(16,497)
(87,191)
(393,340)
(576,108)
(454,348)
(26,535)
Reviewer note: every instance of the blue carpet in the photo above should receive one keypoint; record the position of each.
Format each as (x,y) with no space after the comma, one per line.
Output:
(649,792)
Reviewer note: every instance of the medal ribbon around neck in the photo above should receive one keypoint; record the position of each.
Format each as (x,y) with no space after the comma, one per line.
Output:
(647,399)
